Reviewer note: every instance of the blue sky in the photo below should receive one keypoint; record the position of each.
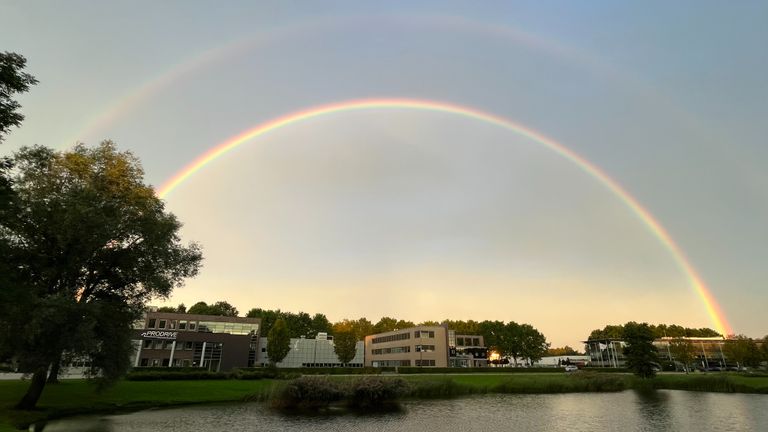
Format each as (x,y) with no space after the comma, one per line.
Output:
(439,216)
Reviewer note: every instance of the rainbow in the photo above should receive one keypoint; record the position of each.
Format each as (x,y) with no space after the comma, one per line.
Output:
(695,280)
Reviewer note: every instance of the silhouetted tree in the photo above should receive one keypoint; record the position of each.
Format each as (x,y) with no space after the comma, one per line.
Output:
(13,80)
(640,353)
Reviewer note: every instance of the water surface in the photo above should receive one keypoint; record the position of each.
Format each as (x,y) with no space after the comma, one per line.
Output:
(664,410)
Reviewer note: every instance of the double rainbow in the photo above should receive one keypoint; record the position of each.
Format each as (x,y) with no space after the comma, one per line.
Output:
(712,307)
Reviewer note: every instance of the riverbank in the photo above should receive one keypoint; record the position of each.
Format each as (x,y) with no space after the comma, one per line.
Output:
(80,397)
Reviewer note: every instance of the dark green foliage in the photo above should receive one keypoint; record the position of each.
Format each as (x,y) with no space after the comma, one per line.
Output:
(375,392)
(309,392)
(344,345)
(743,351)
(85,245)
(220,308)
(315,392)
(486,370)
(13,80)
(640,353)
(278,342)
(659,331)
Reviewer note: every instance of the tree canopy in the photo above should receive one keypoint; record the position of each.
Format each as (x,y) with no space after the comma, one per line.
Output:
(278,342)
(221,308)
(13,81)
(86,244)
(344,342)
(639,352)
(659,331)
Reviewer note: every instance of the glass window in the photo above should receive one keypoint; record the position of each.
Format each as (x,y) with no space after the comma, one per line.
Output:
(158,344)
(155,362)
(182,325)
(192,326)
(152,323)
(148,343)
(172,324)
(162,324)
(144,362)
(189,345)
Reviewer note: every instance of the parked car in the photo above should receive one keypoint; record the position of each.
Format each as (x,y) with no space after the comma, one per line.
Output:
(571,368)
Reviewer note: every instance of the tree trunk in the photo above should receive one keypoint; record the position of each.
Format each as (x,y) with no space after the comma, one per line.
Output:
(53,376)
(29,401)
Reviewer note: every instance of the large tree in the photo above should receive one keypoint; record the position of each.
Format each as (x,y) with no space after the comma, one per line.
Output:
(640,353)
(344,342)
(278,342)
(86,245)
(743,351)
(13,80)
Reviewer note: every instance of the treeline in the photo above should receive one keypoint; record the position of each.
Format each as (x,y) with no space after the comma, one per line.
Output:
(520,342)
(659,331)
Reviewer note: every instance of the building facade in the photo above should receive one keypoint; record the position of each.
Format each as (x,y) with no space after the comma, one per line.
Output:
(214,343)
(317,352)
(414,346)
(610,352)
(425,346)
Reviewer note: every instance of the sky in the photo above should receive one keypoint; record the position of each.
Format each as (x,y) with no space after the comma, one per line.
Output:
(426,215)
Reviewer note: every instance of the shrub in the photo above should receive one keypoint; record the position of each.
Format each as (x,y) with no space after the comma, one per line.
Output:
(376,392)
(308,392)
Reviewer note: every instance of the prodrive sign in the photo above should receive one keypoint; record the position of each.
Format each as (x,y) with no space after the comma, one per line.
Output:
(159,334)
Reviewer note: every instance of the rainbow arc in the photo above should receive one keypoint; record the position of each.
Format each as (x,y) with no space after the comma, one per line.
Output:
(695,280)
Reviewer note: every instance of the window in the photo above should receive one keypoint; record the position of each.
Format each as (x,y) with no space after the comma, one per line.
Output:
(144,362)
(425,348)
(192,326)
(172,324)
(147,344)
(158,344)
(155,362)
(423,334)
(162,324)
(189,345)
(185,363)
(393,350)
(182,325)
(152,323)
(476,341)
(166,362)
(391,338)
(425,362)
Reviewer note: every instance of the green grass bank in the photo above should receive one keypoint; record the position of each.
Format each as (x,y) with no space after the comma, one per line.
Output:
(80,397)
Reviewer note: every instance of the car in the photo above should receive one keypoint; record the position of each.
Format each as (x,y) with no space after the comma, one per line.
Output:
(571,368)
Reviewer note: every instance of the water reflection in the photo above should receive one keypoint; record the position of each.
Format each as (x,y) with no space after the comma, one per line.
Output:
(665,410)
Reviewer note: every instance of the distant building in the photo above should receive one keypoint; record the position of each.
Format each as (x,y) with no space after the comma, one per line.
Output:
(610,352)
(318,352)
(424,346)
(562,360)
(214,343)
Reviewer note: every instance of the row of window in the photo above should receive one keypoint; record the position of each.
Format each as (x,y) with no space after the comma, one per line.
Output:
(166,362)
(467,341)
(166,344)
(391,363)
(204,326)
(391,338)
(424,334)
(425,348)
(425,362)
(393,350)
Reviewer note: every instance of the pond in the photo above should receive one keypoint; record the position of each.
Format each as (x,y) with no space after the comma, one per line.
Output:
(664,410)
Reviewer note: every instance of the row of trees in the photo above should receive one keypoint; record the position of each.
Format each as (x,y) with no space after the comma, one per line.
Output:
(659,331)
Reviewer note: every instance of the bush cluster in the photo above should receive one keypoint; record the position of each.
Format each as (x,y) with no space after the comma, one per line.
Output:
(315,392)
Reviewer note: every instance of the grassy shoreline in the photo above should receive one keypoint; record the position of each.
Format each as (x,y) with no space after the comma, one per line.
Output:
(78,397)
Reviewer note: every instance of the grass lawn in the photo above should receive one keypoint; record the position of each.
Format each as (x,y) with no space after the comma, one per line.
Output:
(78,397)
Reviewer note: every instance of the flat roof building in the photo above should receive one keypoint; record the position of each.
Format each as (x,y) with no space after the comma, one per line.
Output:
(317,352)
(425,346)
(215,343)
